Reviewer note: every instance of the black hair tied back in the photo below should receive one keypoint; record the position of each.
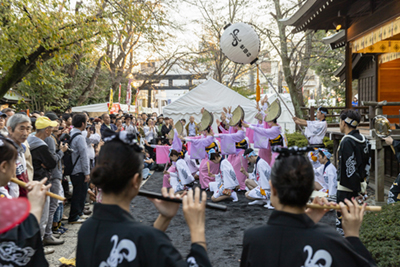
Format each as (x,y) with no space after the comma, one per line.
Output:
(119,160)
(291,151)
(293,176)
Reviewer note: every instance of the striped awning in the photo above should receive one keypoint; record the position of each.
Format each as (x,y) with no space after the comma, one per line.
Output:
(385,39)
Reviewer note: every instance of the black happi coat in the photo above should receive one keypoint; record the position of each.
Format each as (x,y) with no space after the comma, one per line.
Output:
(354,161)
(295,240)
(111,237)
(22,245)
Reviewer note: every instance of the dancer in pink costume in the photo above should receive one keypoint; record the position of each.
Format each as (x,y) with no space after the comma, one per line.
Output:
(234,145)
(271,137)
(166,177)
(199,148)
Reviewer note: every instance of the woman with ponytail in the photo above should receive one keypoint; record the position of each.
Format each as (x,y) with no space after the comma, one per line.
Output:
(112,237)
(225,179)
(298,237)
(182,178)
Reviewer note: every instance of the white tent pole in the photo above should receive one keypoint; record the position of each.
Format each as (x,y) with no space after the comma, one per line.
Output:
(265,76)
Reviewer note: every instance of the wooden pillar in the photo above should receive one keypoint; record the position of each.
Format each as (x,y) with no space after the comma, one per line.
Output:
(349,74)
(379,170)
(335,150)
(371,115)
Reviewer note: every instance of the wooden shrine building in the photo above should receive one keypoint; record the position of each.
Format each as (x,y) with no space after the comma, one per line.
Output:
(370,32)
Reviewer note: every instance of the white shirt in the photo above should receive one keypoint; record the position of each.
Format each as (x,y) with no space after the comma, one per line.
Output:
(327,179)
(261,174)
(93,139)
(184,174)
(150,134)
(227,175)
(191,164)
(315,131)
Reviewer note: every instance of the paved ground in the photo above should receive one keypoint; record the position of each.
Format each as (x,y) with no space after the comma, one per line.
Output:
(224,230)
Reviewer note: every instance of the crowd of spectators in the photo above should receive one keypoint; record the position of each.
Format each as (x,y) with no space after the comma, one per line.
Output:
(44,140)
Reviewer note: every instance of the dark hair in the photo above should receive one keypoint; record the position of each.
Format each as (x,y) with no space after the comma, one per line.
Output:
(321,153)
(324,110)
(147,121)
(293,178)
(352,114)
(78,119)
(117,119)
(65,116)
(116,165)
(183,120)
(214,155)
(275,120)
(174,153)
(33,123)
(248,151)
(8,151)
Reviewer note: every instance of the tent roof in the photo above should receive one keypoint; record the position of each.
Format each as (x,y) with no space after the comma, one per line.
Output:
(101,107)
(211,95)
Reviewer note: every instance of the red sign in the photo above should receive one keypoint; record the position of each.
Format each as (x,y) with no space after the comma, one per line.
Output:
(115,107)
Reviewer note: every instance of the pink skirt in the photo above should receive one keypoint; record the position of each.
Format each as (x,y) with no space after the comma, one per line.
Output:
(166,177)
(237,162)
(274,155)
(265,154)
(203,172)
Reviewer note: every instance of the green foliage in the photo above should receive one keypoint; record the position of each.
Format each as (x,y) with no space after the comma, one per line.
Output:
(328,62)
(298,139)
(328,144)
(49,48)
(381,235)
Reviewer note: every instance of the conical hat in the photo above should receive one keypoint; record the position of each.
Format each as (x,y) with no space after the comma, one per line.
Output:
(273,111)
(259,116)
(381,125)
(178,127)
(206,120)
(237,116)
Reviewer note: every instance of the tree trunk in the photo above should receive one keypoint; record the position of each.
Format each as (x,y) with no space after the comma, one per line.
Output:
(23,67)
(86,92)
(297,98)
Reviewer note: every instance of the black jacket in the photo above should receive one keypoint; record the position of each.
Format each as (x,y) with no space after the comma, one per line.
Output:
(295,240)
(111,235)
(42,160)
(22,245)
(354,160)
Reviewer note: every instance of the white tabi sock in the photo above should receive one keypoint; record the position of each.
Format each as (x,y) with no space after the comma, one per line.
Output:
(234,196)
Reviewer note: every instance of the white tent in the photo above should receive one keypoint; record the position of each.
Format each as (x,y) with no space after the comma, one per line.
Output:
(213,96)
(285,120)
(98,109)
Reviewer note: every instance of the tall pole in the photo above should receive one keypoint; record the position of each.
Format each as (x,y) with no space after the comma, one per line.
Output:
(349,73)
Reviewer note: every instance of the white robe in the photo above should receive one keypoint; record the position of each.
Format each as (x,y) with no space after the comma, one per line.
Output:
(315,131)
(327,179)
(183,171)
(191,163)
(261,175)
(226,179)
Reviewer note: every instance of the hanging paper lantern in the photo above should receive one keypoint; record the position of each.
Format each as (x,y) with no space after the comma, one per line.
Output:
(240,43)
